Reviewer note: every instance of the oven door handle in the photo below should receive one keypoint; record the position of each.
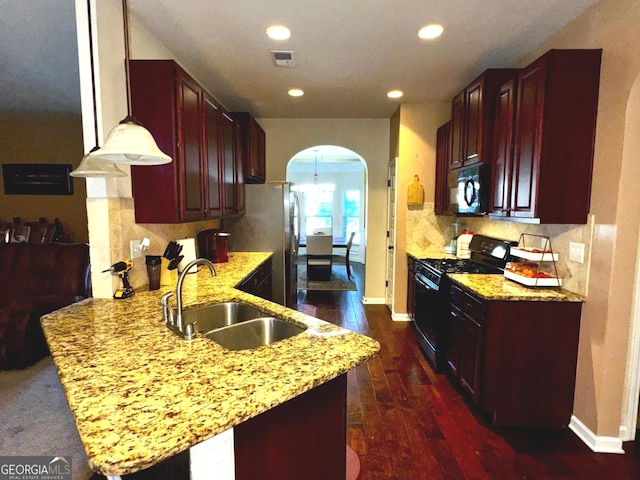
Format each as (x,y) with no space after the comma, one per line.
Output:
(425,283)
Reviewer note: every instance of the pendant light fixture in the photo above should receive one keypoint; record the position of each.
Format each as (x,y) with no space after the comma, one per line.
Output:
(89,166)
(129,142)
(315,168)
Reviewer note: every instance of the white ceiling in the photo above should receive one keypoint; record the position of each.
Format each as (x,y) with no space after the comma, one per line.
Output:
(348,53)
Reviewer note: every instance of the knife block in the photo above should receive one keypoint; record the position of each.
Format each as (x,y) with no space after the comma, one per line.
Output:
(167,277)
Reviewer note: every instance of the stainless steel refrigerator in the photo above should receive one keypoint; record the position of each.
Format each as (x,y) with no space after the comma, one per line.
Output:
(271,223)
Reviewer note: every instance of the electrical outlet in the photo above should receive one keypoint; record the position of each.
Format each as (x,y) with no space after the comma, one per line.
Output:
(136,251)
(576,252)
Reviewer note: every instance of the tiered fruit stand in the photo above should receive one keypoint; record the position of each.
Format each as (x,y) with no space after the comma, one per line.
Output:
(537,265)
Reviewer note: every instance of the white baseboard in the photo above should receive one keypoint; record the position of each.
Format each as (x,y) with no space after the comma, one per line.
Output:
(626,435)
(598,444)
(400,317)
(373,300)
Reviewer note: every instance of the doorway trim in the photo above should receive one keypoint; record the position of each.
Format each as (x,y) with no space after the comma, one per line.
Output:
(390,255)
(631,392)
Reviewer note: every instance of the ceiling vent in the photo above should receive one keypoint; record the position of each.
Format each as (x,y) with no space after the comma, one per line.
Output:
(282,58)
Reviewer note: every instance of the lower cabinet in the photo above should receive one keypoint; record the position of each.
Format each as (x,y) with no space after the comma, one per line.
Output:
(260,282)
(516,359)
(304,438)
(465,349)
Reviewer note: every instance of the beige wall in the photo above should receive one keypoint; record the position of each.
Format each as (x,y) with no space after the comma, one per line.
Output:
(44,138)
(613,26)
(369,138)
(416,156)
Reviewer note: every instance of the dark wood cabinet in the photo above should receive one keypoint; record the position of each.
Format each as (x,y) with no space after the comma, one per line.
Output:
(472,112)
(503,148)
(443,156)
(458,129)
(190,146)
(465,353)
(231,172)
(252,148)
(305,437)
(260,282)
(556,110)
(516,359)
(212,157)
(187,124)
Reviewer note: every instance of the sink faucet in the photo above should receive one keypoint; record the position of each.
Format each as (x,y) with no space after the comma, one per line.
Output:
(175,322)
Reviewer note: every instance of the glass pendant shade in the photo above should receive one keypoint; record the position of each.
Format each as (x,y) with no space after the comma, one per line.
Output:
(129,143)
(91,167)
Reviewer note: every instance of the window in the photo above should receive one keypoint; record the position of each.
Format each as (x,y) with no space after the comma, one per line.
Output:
(351,209)
(318,210)
(336,213)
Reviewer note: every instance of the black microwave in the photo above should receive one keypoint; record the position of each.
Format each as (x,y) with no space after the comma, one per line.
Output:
(468,190)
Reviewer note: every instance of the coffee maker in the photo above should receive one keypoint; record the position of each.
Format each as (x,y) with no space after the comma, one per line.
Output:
(212,245)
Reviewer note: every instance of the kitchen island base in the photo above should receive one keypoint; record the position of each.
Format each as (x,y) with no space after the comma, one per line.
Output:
(304,437)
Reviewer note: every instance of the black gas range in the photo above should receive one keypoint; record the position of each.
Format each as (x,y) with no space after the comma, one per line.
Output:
(432,298)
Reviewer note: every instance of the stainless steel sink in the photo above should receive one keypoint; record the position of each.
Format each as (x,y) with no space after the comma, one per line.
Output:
(254,333)
(218,315)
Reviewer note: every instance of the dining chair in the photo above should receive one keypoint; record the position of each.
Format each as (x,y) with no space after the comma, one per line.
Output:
(319,257)
(346,255)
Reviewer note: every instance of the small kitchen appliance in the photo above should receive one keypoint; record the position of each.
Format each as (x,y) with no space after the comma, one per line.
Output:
(212,245)
(468,190)
(456,229)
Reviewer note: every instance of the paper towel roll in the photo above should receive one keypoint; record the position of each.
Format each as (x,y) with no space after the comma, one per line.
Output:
(189,254)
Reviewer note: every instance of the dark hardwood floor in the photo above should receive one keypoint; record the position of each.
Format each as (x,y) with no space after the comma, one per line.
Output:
(406,422)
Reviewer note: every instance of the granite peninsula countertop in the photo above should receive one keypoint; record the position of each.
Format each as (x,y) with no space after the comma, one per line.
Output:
(139,394)
(497,287)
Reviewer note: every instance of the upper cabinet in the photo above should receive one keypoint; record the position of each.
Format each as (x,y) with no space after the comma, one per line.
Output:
(544,174)
(472,116)
(458,120)
(233,185)
(503,148)
(212,148)
(251,148)
(443,155)
(187,125)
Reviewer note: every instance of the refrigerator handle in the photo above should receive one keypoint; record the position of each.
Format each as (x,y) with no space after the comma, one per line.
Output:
(299,220)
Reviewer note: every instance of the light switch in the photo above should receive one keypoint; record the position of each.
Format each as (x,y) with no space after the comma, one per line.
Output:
(576,252)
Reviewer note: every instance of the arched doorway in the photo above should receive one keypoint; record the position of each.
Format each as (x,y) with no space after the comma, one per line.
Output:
(332,185)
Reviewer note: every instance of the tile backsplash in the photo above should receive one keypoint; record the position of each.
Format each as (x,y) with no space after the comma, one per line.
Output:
(114,231)
(427,230)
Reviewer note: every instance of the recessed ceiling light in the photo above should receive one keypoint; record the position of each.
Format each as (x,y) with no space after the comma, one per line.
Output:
(431,31)
(278,32)
(395,94)
(296,92)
